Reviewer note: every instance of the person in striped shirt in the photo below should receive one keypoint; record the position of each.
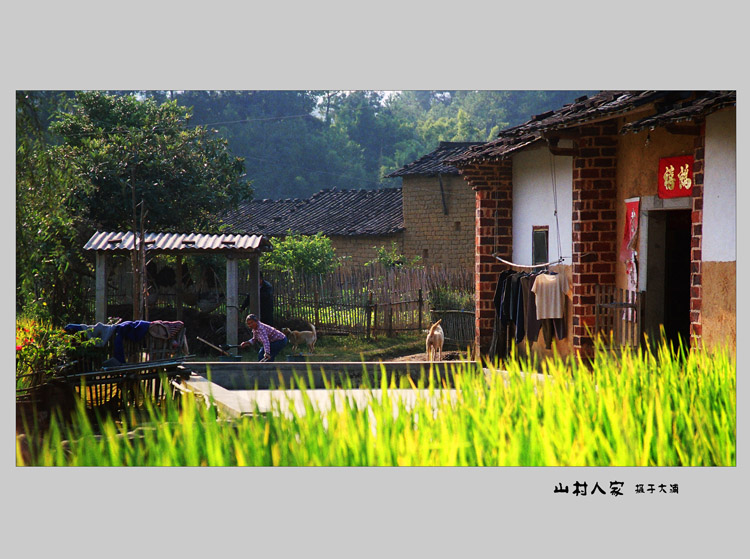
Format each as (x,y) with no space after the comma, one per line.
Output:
(272,339)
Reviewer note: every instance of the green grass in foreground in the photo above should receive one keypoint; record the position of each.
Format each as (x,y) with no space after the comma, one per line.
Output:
(636,410)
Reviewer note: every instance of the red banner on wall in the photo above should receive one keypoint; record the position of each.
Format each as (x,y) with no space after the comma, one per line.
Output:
(631,229)
(675,176)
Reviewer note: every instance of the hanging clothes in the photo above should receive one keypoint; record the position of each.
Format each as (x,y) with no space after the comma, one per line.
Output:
(499,343)
(551,291)
(517,305)
(103,332)
(130,330)
(530,322)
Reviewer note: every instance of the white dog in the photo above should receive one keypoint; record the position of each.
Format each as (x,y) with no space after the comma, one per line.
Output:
(434,342)
(296,337)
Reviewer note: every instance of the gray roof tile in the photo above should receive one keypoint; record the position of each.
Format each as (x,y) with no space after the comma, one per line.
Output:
(603,105)
(330,211)
(432,163)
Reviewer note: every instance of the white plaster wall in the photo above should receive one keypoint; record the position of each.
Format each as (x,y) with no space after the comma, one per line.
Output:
(720,188)
(533,202)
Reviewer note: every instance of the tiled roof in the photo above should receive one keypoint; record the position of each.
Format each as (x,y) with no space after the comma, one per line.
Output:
(705,103)
(432,163)
(178,242)
(603,105)
(330,211)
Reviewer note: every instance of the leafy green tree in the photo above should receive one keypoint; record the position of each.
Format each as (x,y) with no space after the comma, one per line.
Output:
(301,253)
(126,151)
(289,149)
(49,263)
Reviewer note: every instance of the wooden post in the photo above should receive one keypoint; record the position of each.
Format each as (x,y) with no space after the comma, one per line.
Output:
(178,294)
(100,309)
(368,315)
(421,302)
(254,285)
(316,309)
(232,306)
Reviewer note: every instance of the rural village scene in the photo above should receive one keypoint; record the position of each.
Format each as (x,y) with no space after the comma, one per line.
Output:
(376,278)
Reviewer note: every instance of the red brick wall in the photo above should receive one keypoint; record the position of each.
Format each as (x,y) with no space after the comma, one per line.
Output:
(696,295)
(594,225)
(493,184)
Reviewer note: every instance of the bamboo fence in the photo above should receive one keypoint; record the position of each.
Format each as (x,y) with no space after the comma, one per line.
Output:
(369,300)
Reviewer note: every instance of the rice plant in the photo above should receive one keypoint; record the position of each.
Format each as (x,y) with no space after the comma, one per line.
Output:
(669,408)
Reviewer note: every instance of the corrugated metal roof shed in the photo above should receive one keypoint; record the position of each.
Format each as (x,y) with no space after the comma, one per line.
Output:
(123,241)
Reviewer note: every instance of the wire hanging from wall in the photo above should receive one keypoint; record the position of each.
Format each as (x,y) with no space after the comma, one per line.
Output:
(554,196)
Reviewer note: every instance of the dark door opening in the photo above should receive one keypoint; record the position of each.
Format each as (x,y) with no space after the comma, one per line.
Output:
(668,275)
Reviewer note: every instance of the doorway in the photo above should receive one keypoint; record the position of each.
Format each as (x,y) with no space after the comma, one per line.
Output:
(668,265)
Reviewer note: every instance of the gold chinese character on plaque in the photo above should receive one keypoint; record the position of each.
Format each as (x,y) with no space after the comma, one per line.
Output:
(685,180)
(669,177)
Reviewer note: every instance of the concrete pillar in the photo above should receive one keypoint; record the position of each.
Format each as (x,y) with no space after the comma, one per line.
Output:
(100,314)
(232,301)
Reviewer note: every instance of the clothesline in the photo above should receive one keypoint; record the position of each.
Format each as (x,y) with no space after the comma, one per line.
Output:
(527,266)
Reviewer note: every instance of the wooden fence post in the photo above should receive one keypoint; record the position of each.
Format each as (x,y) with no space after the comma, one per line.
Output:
(421,302)
(316,310)
(368,314)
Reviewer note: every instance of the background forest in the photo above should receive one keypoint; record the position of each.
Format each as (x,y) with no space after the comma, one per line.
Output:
(295,143)
(175,160)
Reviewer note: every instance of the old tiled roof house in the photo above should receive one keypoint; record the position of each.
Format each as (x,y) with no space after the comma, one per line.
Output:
(354,220)
(574,171)
(430,216)
(438,209)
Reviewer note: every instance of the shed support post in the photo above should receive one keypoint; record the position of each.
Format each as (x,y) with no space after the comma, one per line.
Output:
(178,291)
(254,285)
(100,313)
(232,303)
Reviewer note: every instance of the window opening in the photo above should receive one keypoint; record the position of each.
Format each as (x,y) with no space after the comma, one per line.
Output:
(540,244)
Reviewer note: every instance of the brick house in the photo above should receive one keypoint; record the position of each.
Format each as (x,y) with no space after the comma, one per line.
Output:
(438,209)
(594,157)
(354,220)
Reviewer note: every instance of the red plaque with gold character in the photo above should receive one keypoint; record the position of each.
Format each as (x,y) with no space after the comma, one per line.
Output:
(675,176)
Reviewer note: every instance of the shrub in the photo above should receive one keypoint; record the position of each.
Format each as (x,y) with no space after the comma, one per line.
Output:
(301,253)
(42,348)
(393,258)
(447,299)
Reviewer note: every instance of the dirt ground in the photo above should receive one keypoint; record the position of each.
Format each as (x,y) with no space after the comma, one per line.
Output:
(447,356)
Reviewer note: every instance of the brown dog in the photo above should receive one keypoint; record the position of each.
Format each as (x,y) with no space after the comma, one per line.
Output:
(297,337)
(434,342)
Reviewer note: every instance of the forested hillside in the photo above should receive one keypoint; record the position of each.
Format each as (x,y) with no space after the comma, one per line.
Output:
(295,143)
(176,160)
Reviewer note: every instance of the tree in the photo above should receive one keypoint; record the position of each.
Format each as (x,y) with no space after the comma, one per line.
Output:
(49,263)
(301,253)
(124,149)
(140,166)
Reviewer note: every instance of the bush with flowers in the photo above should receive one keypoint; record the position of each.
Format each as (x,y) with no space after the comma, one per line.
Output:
(41,349)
